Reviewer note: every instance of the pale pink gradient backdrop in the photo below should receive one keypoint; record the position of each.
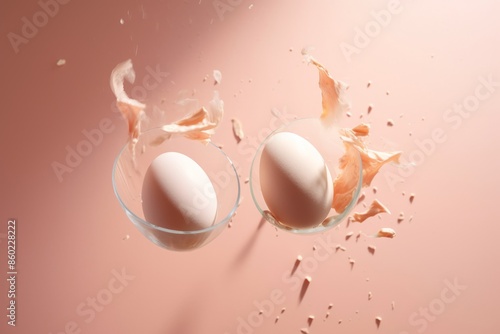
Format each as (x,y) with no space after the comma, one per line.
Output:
(70,233)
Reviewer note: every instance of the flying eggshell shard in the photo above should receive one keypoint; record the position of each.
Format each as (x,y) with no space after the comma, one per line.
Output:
(177,194)
(295,181)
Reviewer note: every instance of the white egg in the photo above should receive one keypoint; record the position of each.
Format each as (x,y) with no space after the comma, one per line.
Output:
(177,194)
(295,181)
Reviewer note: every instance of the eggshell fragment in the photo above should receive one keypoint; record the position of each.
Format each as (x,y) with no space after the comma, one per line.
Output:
(375,208)
(386,232)
(132,110)
(361,130)
(217,77)
(237,129)
(332,93)
(411,198)
(347,181)
(340,247)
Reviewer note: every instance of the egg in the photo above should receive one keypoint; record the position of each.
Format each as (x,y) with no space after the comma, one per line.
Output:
(177,194)
(295,181)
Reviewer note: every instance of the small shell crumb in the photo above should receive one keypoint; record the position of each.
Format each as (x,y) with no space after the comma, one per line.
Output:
(386,232)
(370,108)
(368,84)
(358,236)
(375,190)
(370,295)
(401,217)
(237,129)
(349,235)
(361,198)
(371,249)
(390,122)
(330,306)
(217,77)
(277,319)
(411,198)
(340,247)
(393,305)
(283,310)
(378,321)
(61,62)
(126,237)
(304,331)
(310,320)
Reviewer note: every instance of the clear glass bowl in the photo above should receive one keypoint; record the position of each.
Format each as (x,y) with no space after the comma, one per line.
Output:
(328,143)
(128,178)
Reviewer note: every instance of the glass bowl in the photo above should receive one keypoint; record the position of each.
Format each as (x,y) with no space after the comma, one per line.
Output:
(329,144)
(128,177)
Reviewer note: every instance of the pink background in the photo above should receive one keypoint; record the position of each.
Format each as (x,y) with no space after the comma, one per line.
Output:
(70,234)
